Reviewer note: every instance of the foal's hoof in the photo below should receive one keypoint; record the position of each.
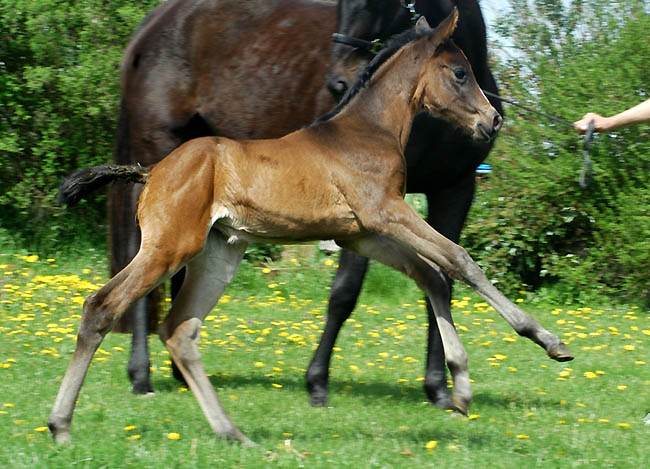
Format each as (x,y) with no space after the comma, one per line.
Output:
(61,437)
(460,405)
(560,353)
(242,439)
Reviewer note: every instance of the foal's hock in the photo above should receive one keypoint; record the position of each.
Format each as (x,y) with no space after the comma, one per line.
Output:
(341,178)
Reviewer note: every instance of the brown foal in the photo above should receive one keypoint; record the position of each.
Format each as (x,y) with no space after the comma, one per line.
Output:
(341,178)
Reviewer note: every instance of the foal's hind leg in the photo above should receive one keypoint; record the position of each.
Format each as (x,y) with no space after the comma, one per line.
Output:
(100,311)
(206,278)
(343,297)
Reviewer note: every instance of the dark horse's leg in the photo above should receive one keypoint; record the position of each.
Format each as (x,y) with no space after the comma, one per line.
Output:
(343,297)
(177,283)
(447,211)
(126,235)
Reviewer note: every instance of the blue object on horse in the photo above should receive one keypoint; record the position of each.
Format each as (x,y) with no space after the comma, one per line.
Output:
(484,169)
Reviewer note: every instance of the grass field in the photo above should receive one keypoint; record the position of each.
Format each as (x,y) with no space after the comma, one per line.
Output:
(528,411)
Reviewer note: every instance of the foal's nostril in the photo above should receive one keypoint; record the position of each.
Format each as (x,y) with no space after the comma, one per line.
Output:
(496,124)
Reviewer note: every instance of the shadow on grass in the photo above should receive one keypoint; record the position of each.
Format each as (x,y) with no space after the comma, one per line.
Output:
(368,390)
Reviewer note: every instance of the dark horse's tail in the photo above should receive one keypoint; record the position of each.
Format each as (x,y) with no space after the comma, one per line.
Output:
(83,182)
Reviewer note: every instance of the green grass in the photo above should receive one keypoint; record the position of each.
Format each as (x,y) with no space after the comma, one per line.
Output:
(528,410)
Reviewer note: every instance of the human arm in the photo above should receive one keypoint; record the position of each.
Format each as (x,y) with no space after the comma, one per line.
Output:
(634,115)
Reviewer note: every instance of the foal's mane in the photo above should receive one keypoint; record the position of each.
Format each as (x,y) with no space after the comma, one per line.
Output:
(394,44)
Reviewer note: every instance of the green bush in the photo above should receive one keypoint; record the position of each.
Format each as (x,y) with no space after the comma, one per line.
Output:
(59,97)
(531,221)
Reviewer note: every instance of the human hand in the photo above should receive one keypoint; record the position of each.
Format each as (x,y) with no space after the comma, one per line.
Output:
(601,123)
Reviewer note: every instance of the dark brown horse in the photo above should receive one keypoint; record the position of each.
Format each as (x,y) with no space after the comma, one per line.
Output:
(342,178)
(233,68)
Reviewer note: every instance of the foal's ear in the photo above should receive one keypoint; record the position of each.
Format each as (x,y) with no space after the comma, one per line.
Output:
(445,29)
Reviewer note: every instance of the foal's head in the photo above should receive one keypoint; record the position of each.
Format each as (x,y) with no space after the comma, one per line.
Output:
(447,88)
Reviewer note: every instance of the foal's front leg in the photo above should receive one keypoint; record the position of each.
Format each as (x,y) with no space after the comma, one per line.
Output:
(401,223)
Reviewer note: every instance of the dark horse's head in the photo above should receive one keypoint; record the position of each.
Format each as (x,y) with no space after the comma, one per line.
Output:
(362,27)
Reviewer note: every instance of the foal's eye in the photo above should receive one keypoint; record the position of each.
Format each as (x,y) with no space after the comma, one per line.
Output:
(460,73)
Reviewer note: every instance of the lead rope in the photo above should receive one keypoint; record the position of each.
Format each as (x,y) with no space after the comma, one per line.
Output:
(586,175)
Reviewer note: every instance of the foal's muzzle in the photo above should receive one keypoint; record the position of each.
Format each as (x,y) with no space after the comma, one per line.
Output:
(489,130)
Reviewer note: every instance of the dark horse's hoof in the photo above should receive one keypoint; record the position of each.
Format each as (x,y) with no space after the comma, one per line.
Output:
(318,399)
(560,353)
(140,381)
(440,397)
(317,395)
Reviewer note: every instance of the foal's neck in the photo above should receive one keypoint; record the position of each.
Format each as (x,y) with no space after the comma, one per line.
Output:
(387,103)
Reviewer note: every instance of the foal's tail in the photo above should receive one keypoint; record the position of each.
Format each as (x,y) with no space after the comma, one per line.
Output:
(76,186)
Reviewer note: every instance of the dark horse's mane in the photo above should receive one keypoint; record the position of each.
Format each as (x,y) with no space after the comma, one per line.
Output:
(394,44)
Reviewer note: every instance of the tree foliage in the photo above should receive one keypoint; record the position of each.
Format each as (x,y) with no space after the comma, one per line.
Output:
(531,221)
(59,96)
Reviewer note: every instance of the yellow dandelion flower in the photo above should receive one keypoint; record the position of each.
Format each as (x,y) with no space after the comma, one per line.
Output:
(473,416)
(259,364)
(590,375)
(639,362)
(603,420)
(522,437)
(276,386)
(623,425)
(40,429)
(134,437)
(266,270)
(431,445)
(173,436)
(128,428)
(629,348)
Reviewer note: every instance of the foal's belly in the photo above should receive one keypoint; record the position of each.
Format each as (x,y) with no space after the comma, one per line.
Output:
(287,230)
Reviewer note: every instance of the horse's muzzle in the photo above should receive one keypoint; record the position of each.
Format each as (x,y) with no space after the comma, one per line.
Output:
(489,131)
